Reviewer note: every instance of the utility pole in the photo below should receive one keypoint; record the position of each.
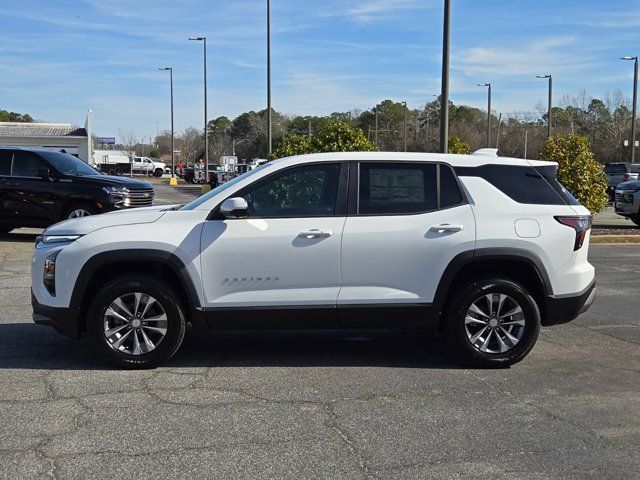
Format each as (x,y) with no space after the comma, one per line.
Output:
(173,152)
(309,128)
(635,107)
(498,135)
(550,102)
(444,95)
(488,85)
(376,133)
(206,138)
(269,127)
(526,141)
(405,125)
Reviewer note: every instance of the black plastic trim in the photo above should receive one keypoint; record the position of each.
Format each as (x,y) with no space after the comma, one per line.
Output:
(136,255)
(565,308)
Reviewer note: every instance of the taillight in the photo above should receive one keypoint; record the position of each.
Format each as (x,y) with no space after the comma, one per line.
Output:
(580,223)
(625,177)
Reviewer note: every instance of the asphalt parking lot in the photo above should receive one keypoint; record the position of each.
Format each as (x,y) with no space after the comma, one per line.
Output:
(355,404)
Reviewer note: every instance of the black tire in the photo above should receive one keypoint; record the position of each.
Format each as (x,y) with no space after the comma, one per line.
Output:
(635,219)
(459,335)
(90,209)
(158,173)
(162,293)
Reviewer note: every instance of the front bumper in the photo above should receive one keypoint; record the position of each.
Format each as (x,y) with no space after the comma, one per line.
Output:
(64,320)
(626,203)
(565,308)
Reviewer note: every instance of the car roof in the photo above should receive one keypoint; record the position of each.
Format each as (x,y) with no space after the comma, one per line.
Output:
(28,149)
(478,158)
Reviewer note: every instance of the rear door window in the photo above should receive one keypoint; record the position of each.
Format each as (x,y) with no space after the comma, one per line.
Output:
(26,164)
(397,188)
(5,162)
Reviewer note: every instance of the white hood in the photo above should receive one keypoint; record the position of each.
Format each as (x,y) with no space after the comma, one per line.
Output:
(85,225)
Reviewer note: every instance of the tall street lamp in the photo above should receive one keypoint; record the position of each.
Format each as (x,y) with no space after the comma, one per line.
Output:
(206,138)
(635,106)
(173,180)
(444,95)
(269,127)
(488,85)
(550,102)
(405,125)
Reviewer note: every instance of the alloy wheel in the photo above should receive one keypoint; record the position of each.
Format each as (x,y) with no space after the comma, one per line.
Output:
(79,212)
(494,323)
(135,323)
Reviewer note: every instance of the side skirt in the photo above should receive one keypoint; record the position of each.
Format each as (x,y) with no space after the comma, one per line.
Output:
(323,317)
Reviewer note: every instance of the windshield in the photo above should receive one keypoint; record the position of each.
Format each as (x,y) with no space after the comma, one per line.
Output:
(200,200)
(68,164)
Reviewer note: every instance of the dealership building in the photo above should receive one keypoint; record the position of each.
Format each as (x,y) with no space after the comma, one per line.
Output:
(52,136)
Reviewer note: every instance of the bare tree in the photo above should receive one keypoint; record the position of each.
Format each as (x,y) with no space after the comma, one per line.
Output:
(129,140)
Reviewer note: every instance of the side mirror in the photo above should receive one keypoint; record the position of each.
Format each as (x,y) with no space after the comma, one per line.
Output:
(43,173)
(234,208)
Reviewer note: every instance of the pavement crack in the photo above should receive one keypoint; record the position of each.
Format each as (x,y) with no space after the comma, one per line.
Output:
(332,423)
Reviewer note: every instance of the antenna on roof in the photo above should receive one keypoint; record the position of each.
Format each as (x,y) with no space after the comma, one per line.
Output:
(487,152)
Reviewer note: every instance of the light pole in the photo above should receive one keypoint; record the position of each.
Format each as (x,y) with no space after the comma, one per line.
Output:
(635,106)
(488,85)
(173,180)
(550,102)
(269,132)
(444,95)
(376,132)
(206,138)
(405,125)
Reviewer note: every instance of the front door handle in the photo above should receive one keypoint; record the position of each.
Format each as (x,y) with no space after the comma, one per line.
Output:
(445,227)
(315,233)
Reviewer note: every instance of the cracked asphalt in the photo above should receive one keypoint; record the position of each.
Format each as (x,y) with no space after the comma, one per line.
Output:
(330,405)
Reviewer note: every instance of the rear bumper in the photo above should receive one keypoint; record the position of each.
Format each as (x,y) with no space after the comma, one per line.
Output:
(565,308)
(62,319)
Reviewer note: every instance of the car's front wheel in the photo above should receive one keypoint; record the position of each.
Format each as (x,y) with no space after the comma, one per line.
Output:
(492,323)
(136,321)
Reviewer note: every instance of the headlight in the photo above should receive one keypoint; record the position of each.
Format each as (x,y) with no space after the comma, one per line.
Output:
(49,273)
(57,238)
(115,190)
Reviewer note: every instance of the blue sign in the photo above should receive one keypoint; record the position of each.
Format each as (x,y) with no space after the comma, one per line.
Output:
(106,140)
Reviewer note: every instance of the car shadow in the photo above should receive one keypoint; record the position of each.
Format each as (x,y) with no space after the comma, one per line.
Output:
(31,346)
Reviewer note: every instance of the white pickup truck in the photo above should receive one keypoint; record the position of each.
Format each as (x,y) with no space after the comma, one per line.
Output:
(148,166)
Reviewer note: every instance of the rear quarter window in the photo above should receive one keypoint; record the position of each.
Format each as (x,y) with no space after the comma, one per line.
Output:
(524,184)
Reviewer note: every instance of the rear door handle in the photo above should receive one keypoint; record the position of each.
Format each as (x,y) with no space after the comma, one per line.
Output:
(445,227)
(315,233)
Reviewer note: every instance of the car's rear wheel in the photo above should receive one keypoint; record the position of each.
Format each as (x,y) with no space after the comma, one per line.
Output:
(158,173)
(492,323)
(136,321)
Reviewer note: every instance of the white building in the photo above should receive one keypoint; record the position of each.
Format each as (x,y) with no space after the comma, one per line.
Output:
(53,136)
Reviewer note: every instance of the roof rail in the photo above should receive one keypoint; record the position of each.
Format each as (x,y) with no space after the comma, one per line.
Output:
(487,152)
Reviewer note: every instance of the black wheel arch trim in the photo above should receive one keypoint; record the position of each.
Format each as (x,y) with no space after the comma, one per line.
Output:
(168,259)
(468,257)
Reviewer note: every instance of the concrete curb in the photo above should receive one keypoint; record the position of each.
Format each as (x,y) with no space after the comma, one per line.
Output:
(603,239)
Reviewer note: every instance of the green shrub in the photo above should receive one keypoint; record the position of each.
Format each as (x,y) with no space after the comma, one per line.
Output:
(578,170)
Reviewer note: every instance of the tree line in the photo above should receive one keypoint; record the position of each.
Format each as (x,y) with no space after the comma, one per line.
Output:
(605,122)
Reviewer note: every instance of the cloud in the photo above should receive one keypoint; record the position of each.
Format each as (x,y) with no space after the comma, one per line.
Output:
(369,11)
(551,55)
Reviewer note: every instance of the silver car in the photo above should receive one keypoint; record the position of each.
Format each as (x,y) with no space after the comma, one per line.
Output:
(627,200)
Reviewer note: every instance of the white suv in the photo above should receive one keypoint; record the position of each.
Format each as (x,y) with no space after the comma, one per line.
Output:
(485,248)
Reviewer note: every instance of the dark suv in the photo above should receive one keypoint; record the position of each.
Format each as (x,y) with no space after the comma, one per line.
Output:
(40,187)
